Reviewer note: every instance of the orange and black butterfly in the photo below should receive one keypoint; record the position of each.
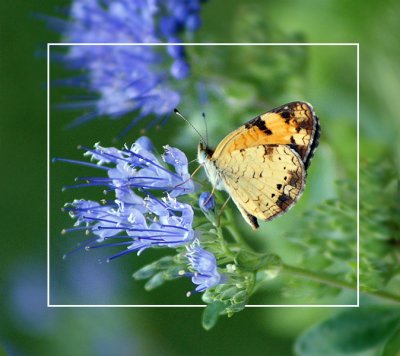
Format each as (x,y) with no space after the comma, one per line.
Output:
(262,165)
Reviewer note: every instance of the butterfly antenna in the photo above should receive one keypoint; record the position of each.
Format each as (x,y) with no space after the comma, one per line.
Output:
(205,125)
(191,125)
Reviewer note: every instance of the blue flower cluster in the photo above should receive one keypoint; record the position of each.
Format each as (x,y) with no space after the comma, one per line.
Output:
(136,218)
(129,78)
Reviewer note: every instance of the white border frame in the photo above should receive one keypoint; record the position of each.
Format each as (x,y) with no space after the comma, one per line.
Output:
(49,45)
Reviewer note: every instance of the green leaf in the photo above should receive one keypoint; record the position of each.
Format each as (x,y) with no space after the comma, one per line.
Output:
(145,272)
(240,297)
(151,269)
(211,314)
(392,347)
(228,293)
(234,308)
(165,262)
(350,332)
(154,282)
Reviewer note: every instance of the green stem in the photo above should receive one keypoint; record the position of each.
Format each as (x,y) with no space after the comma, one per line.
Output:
(235,234)
(231,227)
(223,244)
(384,295)
(317,277)
(330,281)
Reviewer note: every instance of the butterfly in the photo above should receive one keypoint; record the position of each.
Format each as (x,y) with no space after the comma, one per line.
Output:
(263,164)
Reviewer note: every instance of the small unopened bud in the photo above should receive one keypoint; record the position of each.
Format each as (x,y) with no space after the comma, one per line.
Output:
(206,202)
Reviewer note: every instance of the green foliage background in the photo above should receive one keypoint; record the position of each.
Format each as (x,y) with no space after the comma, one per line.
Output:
(325,76)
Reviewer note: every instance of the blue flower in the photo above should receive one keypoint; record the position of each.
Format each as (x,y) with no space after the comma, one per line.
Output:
(158,225)
(104,221)
(138,167)
(137,219)
(168,229)
(204,264)
(140,79)
(141,222)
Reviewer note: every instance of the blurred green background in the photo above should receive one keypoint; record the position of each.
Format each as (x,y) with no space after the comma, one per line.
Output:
(324,76)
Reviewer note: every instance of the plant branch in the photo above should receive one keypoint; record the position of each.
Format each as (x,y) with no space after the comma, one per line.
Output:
(384,295)
(317,277)
(231,227)
(329,280)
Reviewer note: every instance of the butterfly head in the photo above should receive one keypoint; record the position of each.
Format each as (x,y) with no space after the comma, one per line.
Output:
(204,153)
(204,157)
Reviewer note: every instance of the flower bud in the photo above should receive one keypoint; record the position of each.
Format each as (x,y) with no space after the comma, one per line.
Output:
(206,202)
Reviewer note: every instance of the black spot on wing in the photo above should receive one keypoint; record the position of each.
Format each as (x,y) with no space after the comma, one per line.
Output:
(294,146)
(253,221)
(284,201)
(260,123)
(286,115)
(286,111)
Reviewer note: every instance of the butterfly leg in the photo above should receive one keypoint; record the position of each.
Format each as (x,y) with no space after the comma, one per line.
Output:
(191,176)
(210,196)
(222,210)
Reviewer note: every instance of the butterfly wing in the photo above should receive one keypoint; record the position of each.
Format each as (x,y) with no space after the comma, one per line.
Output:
(264,181)
(263,163)
(293,124)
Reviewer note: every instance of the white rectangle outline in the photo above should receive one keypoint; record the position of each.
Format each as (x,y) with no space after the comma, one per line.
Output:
(202,305)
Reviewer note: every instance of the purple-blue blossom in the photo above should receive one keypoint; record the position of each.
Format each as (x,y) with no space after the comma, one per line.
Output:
(128,78)
(204,264)
(138,167)
(171,225)
(163,223)
(136,218)
(147,210)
